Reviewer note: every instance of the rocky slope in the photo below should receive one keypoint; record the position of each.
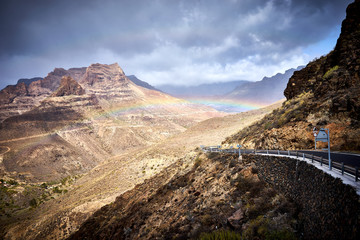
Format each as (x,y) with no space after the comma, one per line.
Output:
(68,86)
(28,81)
(183,201)
(323,94)
(59,217)
(218,196)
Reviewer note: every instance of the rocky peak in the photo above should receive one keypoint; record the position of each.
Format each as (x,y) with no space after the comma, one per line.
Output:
(339,70)
(104,76)
(11,91)
(52,80)
(68,86)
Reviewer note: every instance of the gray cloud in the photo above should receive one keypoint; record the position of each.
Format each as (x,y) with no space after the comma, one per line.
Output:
(143,36)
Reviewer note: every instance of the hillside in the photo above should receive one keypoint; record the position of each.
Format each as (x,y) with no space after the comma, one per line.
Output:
(117,174)
(323,94)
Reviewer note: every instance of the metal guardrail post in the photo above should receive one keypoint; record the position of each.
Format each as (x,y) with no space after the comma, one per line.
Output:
(356,174)
(267,151)
(288,152)
(278,152)
(297,154)
(255,151)
(303,156)
(321,160)
(312,158)
(342,168)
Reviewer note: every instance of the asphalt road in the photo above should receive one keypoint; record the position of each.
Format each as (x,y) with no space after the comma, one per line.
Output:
(348,158)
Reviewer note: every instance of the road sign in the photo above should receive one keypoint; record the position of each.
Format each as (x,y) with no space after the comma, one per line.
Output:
(322,136)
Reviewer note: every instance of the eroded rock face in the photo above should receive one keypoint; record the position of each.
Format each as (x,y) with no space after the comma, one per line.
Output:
(68,86)
(8,94)
(103,76)
(53,79)
(339,69)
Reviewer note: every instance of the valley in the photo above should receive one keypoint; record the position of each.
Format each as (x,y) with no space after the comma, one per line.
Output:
(91,153)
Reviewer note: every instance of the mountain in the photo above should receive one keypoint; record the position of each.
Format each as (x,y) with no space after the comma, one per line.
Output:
(22,97)
(323,94)
(76,197)
(27,81)
(202,90)
(266,91)
(95,108)
(141,83)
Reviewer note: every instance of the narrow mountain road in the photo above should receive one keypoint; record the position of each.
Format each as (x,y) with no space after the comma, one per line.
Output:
(40,135)
(350,159)
(347,158)
(6,148)
(24,138)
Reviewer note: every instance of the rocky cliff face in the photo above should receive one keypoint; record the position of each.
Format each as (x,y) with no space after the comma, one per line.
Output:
(53,79)
(22,97)
(68,86)
(323,94)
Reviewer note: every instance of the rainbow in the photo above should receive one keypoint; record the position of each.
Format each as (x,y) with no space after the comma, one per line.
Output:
(239,105)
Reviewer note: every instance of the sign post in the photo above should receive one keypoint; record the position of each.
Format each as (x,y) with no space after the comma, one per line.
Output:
(323,136)
(239,146)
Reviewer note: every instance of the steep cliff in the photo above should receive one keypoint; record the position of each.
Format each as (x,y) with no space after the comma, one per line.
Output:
(323,94)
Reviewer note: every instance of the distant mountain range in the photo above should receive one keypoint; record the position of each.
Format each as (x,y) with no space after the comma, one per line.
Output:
(217,95)
(266,91)
(235,96)
(202,90)
(141,83)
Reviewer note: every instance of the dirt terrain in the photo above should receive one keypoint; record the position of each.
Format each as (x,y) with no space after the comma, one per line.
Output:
(59,217)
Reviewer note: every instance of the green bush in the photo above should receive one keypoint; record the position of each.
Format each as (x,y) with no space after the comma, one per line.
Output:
(197,162)
(33,202)
(330,72)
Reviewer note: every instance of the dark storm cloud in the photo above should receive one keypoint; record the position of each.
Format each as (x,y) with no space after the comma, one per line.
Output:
(198,31)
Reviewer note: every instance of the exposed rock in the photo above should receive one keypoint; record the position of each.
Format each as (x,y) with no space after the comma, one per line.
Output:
(236,220)
(103,76)
(8,94)
(68,86)
(28,81)
(53,79)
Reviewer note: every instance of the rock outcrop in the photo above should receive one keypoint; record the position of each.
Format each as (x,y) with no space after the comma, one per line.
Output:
(323,94)
(53,79)
(68,86)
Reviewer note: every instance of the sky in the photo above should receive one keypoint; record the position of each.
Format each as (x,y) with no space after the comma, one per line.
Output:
(180,42)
